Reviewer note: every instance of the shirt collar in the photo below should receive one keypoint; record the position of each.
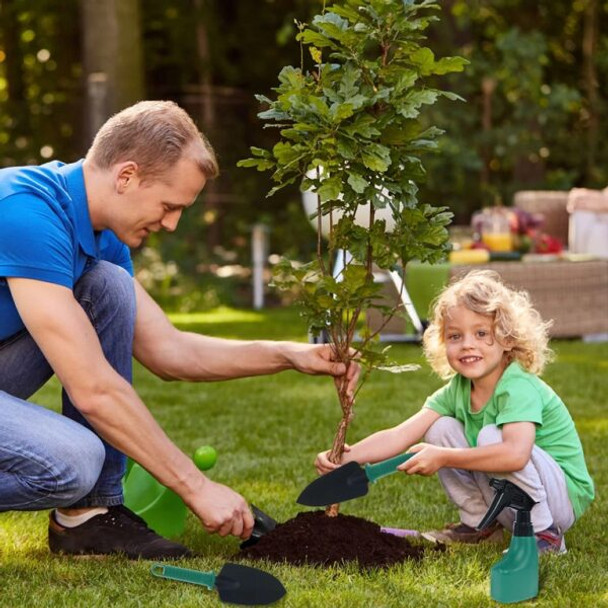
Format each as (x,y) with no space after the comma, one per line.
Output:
(74,177)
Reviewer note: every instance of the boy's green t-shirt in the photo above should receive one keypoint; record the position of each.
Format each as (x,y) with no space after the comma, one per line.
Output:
(521,396)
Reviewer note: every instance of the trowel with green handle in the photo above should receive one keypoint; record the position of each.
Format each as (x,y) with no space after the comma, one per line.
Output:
(234,583)
(348,481)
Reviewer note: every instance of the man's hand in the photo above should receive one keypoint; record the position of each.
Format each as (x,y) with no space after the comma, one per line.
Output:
(428,460)
(318,359)
(222,510)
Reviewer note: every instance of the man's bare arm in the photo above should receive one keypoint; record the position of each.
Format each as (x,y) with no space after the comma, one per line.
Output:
(179,355)
(65,335)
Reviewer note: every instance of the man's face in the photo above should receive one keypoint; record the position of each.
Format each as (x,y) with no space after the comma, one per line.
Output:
(151,205)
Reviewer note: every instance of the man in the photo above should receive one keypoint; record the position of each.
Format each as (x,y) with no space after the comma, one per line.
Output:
(69,306)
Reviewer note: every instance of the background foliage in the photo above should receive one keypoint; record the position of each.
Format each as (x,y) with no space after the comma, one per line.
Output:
(534,117)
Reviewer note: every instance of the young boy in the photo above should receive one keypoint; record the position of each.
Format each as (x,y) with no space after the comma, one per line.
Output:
(495,417)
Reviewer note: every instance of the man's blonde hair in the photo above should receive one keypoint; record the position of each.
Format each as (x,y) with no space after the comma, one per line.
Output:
(516,323)
(155,135)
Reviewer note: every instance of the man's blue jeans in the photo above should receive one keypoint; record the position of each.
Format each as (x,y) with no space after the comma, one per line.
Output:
(51,460)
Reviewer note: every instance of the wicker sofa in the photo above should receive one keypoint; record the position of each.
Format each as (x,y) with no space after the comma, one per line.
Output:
(573,294)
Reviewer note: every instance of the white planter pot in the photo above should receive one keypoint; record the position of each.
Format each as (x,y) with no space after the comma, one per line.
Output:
(309,202)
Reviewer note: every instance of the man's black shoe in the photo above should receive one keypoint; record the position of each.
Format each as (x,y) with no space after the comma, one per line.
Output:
(119,531)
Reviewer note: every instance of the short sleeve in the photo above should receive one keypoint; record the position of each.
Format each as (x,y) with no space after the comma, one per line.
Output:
(442,400)
(35,243)
(520,401)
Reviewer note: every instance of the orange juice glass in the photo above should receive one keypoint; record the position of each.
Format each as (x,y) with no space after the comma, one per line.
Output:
(498,241)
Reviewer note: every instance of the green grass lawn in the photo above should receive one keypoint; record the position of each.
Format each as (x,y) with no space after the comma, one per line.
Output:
(267,432)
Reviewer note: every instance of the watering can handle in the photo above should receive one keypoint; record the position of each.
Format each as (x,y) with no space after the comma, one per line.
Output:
(385,467)
(184,575)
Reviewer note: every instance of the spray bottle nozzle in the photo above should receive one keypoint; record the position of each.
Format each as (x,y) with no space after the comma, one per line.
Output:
(507,495)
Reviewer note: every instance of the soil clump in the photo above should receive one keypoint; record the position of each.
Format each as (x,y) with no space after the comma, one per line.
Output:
(312,538)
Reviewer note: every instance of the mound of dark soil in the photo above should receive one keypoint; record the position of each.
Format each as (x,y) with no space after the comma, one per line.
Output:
(312,538)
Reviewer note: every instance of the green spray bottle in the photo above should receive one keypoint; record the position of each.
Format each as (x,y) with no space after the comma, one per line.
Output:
(515,577)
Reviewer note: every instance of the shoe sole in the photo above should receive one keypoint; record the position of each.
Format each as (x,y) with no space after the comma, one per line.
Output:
(84,556)
(495,537)
(103,556)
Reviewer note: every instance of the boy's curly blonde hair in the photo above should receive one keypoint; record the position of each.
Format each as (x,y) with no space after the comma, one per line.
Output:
(516,323)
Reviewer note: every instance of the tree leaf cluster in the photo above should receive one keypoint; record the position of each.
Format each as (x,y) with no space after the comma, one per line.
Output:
(351,132)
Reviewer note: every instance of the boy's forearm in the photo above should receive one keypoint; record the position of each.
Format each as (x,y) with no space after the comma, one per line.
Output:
(376,447)
(390,442)
(497,458)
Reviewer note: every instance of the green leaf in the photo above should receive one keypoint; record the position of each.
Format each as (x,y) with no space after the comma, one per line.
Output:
(424,60)
(363,126)
(315,38)
(426,96)
(376,157)
(346,148)
(273,114)
(330,189)
(259,163)
(452,96)
(349,83)
(286,153)
(339,112)
(291,77)
(357,182)
(450,64)
(406,80)
(261,152)
(331,24)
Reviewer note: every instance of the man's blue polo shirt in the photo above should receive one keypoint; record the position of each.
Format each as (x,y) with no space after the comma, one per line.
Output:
(46,232)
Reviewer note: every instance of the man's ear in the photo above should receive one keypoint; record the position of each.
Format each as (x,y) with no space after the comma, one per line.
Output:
(126,174)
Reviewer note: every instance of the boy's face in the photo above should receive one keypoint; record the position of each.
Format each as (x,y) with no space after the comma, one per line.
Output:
(471,348)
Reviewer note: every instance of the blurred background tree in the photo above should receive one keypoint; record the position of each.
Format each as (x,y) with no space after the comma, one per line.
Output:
(534,117)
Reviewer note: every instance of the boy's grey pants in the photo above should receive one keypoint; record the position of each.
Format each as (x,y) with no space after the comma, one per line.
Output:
(470,491)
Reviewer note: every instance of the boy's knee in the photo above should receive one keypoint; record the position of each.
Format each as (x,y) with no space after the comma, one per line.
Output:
(442,430)
(489,435)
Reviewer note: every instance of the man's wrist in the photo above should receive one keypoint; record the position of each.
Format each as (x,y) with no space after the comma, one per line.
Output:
(191,482)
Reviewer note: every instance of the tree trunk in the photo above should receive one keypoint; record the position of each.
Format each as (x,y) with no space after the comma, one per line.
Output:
(209,121)
(590,36)
(113,62)
(488,85)
(13,65)
(337,449)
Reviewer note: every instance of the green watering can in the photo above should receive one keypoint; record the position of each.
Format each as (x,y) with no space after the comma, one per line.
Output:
(161,508)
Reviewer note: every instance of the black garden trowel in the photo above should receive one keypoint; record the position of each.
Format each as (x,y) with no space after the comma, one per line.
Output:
(263,524)
(348,481)
(234,583)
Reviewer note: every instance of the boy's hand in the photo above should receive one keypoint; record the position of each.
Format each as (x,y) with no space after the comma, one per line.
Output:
(324,465)
(428,460)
